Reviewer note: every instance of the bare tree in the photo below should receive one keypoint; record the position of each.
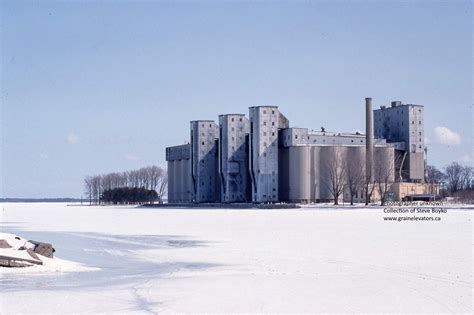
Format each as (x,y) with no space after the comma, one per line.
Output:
(384,170)
(155,173)
(88,188)
(454,177)
(466,177)
(336,173)
(107,182)
(96,188)
(144,178)
(162,186)
(355,177)
(133,178)
(433,177)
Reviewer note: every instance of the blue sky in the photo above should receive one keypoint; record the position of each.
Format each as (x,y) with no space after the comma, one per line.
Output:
(94,87)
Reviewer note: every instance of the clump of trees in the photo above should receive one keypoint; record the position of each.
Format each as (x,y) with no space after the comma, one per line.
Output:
(152,178)
(348,175)
(129,195)
(456,180)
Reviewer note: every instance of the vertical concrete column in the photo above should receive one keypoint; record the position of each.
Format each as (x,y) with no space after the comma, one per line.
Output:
(369,134)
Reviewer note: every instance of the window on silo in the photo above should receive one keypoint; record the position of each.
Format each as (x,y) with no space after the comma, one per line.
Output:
(264,111)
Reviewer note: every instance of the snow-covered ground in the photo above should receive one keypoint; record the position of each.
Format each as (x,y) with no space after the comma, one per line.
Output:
(136,260)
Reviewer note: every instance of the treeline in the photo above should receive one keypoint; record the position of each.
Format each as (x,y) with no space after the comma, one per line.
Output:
(129,195)
(152,178)
(456,180)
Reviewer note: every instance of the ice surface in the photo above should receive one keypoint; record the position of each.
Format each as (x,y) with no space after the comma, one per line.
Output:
(198,260)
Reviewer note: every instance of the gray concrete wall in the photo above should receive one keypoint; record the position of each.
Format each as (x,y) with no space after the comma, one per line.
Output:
(233,158)
(302,136)
(179,173)
(404,122)
(263,152)
(204,165)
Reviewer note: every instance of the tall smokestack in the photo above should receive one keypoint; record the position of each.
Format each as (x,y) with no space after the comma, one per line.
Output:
(369,136)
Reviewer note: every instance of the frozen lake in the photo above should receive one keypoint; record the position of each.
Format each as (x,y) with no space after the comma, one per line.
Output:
(197,260)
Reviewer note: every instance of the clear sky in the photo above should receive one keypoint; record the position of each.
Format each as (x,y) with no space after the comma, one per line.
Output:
(90,87)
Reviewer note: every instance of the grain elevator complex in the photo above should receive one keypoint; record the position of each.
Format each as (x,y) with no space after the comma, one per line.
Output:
(261,159)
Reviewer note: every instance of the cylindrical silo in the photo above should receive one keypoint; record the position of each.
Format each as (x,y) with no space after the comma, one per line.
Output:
(171,182)
(299,174)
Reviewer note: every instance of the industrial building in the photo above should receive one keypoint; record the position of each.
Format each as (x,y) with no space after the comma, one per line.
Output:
(233,158)
(404,124)
(263,160)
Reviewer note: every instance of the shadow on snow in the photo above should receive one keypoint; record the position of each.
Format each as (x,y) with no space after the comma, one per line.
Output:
(115,255)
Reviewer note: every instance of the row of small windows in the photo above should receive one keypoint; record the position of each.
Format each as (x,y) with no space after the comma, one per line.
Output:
(398,123)
(265,111)
(265,196)
(265,144)
(265,123)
